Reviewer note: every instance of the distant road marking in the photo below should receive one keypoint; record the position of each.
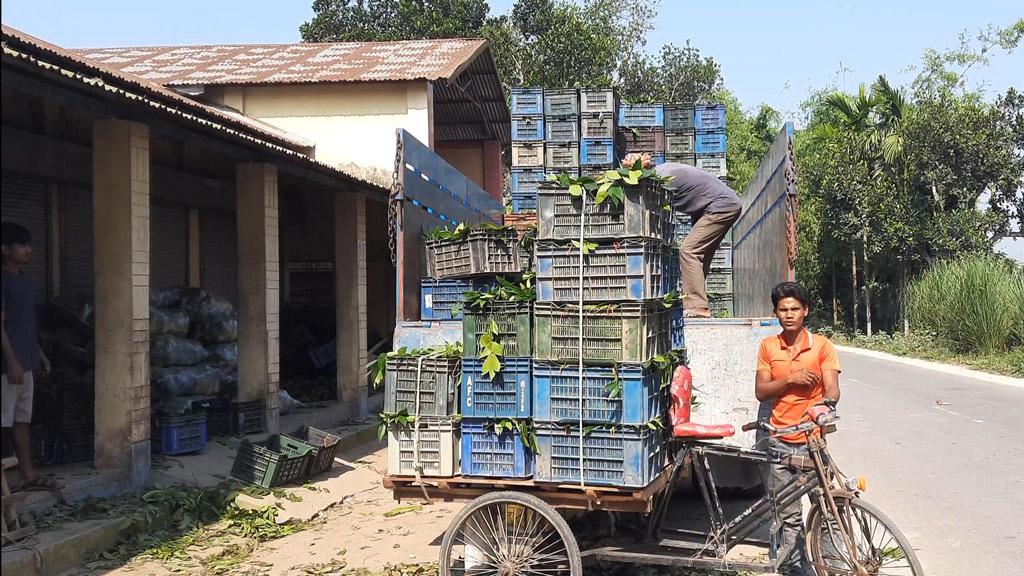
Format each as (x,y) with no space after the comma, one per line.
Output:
(855,381)
(948,411)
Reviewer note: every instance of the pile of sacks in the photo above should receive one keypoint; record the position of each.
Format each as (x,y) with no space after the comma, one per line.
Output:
(193,348)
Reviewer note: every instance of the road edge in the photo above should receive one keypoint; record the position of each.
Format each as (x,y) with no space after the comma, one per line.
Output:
(937,366)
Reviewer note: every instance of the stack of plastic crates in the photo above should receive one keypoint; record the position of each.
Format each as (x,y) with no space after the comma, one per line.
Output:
(642,130)
(528,134)
(595,404)
(562,131)
(709,144)
(599,150)
(680,136)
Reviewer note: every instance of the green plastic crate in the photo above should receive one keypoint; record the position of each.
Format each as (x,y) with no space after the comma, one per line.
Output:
(276,461)
(323,448)
(624,332)
(515,329)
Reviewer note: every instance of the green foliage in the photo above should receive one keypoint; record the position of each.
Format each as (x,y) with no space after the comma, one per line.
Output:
(974,304)
(503,291)
(491,350)
(677,74)
(462,231)
(380,20)
(522,427)
(927,346)
(610,184)
(379,367)
(749,136)
(400,420)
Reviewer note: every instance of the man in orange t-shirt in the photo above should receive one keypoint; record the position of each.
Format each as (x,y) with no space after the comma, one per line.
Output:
(796,370)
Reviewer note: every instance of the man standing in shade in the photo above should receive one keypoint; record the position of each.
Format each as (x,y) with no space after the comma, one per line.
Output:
(714,208)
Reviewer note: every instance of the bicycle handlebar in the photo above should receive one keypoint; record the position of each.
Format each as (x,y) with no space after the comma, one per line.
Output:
(820,420)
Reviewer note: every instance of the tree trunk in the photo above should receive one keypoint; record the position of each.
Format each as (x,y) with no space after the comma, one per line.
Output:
(904,305)
(835,298)
(867,283)
(856,289)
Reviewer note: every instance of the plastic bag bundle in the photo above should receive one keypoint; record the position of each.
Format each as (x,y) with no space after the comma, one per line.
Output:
(288,404)
(168,321)
(166,350)
(165,297)
(228,384)
(206,308)
(224,356)
(174,382)
(221,330)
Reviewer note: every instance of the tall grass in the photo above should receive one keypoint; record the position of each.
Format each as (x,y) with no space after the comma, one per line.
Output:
(975,304)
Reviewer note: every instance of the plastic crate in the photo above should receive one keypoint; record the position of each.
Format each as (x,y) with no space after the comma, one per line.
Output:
(657,159)
(625,394)
(431,443)
(562,129)
(648,115)
(76,444)
(526,180)
(507,395)
(722,306)
(626,332)
(688,159)
(595,151)
(522,223)
(719,283)
(515,332)
(722,259)
(627,270)
(224,418)
(672,270)
(527,154)
(639,215)
(640,140)
(524,201)
(277,461)
(709,116)
(604,100)
(438,298)
(564,155)
(323,448)
(627,457)
(422,386)
(680,144)
(677,327)
(561,102)
(483,252)
(596,170)
(179,434)
(681,228)
(714,165)
(526,101)
(527,128)
(711,141)
(573,171)
(489,455)
(597,125)
(679,117)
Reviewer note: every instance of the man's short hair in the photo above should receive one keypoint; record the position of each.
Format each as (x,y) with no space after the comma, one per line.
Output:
(790,290)
(11,234)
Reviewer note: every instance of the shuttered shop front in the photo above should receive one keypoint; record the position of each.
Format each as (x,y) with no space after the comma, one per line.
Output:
(24,203)
(168,240)
(77,276)
(219,241)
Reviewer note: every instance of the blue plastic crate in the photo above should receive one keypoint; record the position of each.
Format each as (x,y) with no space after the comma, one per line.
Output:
(526,179)
(507,395)
(439,297)
(710,141)
(626,457)
(528,128)
(709,116)
(524,201)
(527,100)
(562,129)
(677,327)
(626,394)
(657,159)
(638,115)
(181,434)
(597,151)
(489,455)
(671,270)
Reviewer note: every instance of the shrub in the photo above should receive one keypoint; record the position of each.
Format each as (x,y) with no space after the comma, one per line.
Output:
(975,304)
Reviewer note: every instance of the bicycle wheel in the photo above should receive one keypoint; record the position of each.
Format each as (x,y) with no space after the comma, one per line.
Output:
(882,550)
(509,534)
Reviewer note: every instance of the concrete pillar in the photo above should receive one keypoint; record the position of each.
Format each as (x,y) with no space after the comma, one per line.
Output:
(121,236)
(259,357)
(350,291)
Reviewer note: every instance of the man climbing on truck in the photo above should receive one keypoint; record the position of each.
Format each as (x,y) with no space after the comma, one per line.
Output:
(714,208)
(796,370)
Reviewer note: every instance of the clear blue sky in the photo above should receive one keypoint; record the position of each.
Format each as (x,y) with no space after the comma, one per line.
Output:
(770,51)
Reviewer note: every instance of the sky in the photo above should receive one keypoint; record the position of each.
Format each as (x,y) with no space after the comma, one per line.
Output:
(770,51)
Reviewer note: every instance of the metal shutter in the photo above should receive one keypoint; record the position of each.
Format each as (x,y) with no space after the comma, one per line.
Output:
(24,202)
(168,244)
(77,276)
(219,250)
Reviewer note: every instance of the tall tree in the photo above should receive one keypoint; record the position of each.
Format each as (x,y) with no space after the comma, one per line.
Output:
(379,20)
(678,74)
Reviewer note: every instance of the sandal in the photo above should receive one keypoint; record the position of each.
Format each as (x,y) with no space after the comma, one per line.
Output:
(41,484)
(695,314)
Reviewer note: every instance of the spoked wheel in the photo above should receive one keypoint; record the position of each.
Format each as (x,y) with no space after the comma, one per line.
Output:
(882,550)
(509,534)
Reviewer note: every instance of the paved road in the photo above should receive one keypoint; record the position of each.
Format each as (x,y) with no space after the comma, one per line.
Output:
(951,476)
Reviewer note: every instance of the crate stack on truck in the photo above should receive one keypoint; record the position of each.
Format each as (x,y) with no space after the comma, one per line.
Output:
(599,150)
(527,107)
(562,131)
(642,130)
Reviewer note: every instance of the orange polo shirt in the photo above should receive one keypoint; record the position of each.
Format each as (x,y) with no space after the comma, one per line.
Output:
(812,351)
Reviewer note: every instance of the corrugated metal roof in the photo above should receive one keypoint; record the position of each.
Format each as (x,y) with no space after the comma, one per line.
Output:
(46,56)
(293,63)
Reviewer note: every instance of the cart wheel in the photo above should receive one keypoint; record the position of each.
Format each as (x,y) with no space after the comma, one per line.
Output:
(509,534)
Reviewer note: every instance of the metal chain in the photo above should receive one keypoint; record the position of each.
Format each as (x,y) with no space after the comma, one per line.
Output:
(397,191)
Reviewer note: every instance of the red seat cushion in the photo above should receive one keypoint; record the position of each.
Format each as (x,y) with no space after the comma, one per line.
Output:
(692,430)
